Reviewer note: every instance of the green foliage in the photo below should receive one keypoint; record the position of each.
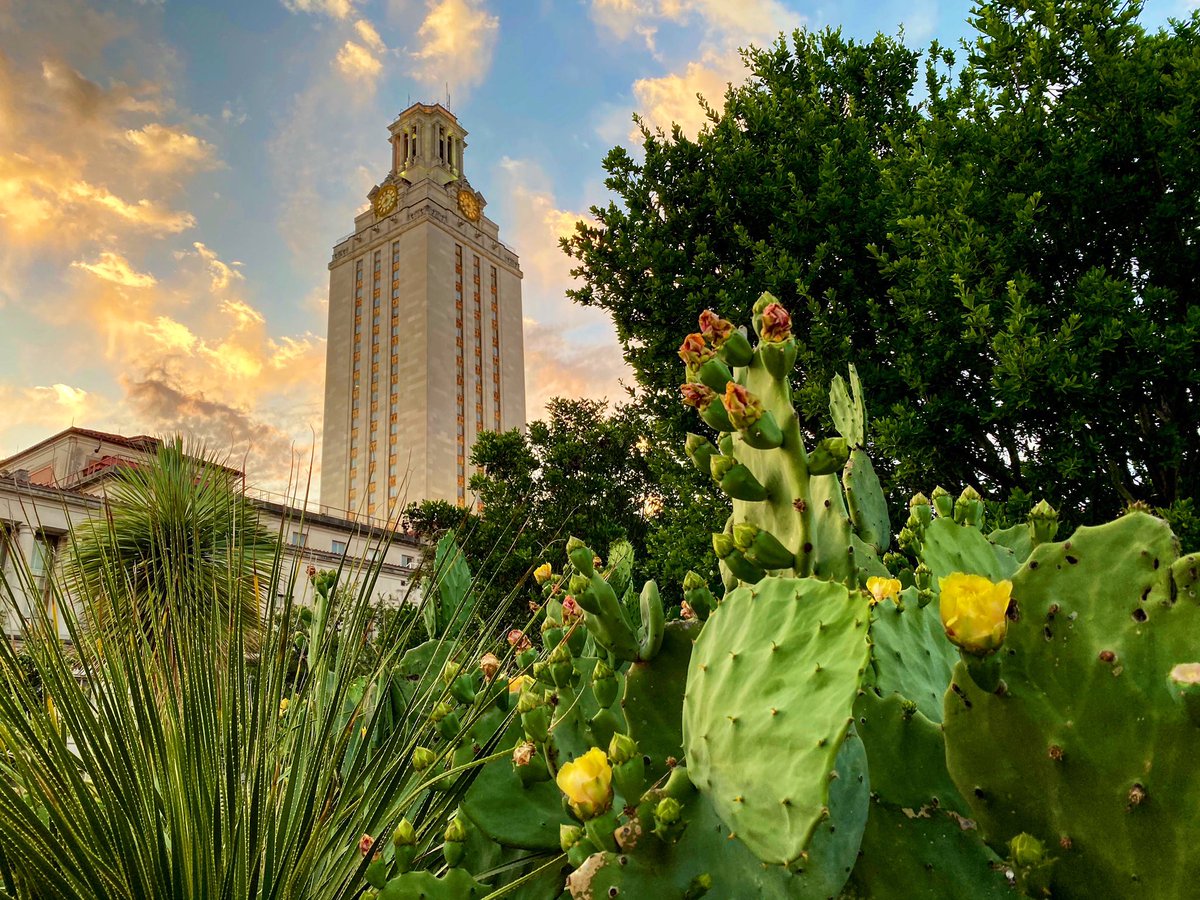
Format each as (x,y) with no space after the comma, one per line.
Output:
(1004,244)
(578,472)
(176,539)
(227,767)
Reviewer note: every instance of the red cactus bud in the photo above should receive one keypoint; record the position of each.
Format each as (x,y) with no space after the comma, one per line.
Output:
(776,323)
(697,395)
(743,407)
(518,641)
(694,352)
(571,609)
(713,327)
(365,843)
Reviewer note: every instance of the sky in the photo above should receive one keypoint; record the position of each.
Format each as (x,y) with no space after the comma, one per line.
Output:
(174,175)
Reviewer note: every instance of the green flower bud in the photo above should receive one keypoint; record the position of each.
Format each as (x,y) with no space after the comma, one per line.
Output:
(668,811)
(943,502)
(463,689)
(456,830)
(829,456)
(1043,523)
(622,748)
(968,509)
(1027,850)
(579,584)
(569,836)
(923,577)
(536,723)
(691,581)
(719,466)
(404,835)
(723,544)
(450,671)
(581,557)
(440,711)
(423,758)
(700,451)
(604,684)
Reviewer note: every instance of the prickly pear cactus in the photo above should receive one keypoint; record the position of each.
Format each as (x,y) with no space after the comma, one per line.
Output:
(1083,746)
(791,514)
(764,763)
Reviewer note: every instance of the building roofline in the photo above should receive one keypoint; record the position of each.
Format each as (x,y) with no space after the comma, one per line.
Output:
(143,442)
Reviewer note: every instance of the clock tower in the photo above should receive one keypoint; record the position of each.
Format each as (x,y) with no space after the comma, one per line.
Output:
(425,348)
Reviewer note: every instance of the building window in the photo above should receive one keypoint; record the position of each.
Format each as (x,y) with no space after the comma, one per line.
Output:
(338,547)
(406,561)
(299,539)
(45,546)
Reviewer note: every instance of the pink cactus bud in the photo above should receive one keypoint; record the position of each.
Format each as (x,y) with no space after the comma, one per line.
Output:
(490,665)
(523,753)
(776,323)
(713,327)
(365,843)
(686,611)
(743,407)
(311,572)
(571,609)
(694,352)
(697,395)
(518,641)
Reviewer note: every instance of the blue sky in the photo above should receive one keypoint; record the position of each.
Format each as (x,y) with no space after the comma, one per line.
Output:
(173,176)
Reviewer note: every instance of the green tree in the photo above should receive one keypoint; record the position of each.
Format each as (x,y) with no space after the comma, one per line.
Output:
(1009,259)
(177,544)
(582,471)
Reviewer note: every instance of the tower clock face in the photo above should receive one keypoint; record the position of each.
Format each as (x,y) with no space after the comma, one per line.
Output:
(468,204)
(385,200)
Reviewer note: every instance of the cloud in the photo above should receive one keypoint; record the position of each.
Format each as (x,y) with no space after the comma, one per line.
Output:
(212,369)
(172,149)
(336,9)
(721,29)
(569,351)
(559,364)
(115,268)
(270,457)
(45,409)
(358,63)
(457,40)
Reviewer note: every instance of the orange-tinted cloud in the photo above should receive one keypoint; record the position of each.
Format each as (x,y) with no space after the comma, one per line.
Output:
(457,40)
(668,99)
(115,268)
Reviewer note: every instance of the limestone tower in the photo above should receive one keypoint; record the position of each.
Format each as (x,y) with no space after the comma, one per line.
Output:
(425,348)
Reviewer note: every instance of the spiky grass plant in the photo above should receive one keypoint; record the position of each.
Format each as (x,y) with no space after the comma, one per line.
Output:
(126,772)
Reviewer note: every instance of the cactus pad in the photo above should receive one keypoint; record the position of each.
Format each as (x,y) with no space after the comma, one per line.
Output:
(1087,751)
(744,734)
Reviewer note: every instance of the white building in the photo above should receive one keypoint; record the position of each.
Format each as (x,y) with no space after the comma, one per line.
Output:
(425,348)
(61,481)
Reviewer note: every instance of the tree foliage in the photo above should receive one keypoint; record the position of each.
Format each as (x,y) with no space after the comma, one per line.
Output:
(582,471)
(1004,240)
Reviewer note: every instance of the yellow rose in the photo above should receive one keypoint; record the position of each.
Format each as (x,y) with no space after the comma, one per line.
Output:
(543,573)
(587,782)
(882,589)
(518,684)
(975,612)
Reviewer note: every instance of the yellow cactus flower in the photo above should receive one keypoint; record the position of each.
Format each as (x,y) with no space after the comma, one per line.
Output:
(882,589)
(543,573)
(518,684)
(587,783)
(975,612)
(283,706)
